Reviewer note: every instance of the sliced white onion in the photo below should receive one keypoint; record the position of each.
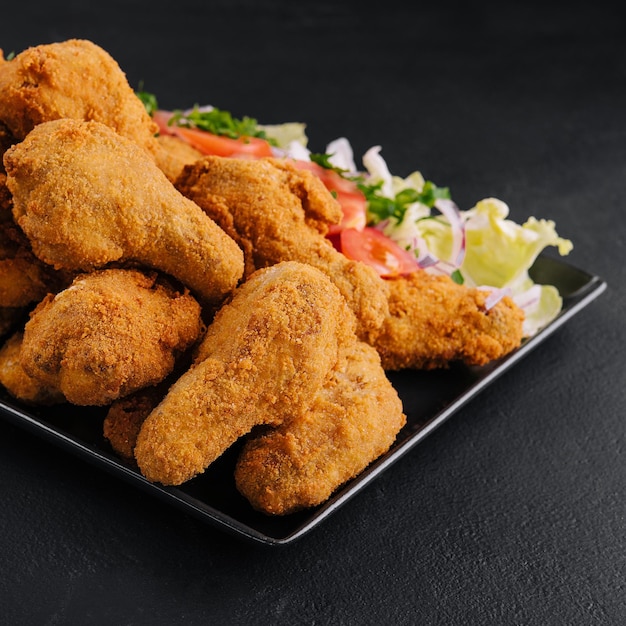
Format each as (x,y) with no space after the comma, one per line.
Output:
(495,296)
(341,154)
(452,213)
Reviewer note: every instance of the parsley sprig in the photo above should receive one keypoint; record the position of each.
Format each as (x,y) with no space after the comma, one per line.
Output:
(219,122)
(148,99)
(380,207)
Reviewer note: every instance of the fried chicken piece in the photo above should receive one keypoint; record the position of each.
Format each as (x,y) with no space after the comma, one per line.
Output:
(109,334)
(72,79)
(433,321)
(173,154)
(262,360)
(277,212)
(17,382)
(354,419)
(87,197)
(24,279)
(125,417)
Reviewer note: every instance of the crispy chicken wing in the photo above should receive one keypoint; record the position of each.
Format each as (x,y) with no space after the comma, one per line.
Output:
(86,197)
(125,417)
(24,279)
(354,418)
(17,382)
(109,334)
(434,321)
(277,212)
(71,79)
(262,360)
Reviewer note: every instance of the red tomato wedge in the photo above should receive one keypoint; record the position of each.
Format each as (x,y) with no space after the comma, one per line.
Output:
(162,118)
(218,145)
(348,195)
(353,206)
(209,143)
(374,248)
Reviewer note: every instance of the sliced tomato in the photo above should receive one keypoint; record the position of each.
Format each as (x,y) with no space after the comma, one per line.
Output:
(353,206)
(209,143)
(374,248)
(351,199)
(218,145)
(162,118)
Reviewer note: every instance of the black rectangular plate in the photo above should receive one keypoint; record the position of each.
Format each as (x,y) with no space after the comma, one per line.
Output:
(429,399)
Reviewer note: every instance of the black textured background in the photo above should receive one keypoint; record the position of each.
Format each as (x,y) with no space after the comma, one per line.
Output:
(514,512)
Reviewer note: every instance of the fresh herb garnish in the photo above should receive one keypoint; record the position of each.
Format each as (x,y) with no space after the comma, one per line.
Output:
(323,160)
(381,208)
(457,277)
(148,99)
(219,122)
(10,56)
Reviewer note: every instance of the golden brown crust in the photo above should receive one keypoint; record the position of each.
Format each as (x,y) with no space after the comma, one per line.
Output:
(24,279)
(277,212)
(71,79)
(173,154)
(262,359)
(87,197)
(109,334)
(17,382)
(125,416)
(354,418)
(433,321)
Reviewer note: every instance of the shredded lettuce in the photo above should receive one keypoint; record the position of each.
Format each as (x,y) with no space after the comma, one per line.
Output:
(287,135)
(498,252)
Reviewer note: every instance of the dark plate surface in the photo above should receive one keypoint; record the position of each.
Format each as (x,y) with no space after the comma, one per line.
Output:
(429,399)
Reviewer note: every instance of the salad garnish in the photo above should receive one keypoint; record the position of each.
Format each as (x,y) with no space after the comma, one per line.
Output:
(219,122)
(397,225)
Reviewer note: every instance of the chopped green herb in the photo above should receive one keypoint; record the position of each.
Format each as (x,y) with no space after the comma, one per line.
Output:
(323,160)
(10,56)
(148,99)
(381,208)
(219,122)
(457,277)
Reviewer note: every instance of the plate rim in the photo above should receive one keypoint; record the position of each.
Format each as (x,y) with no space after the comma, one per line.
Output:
(573,303)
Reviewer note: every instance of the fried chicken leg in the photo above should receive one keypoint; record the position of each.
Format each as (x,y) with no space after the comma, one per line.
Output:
(262,361)
(354,419)
(277,212)
(433,321)
(86,197)
(109,334)
(70,79)
(17,382)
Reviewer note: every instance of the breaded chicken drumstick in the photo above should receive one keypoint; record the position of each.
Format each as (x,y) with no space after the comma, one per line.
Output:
(354,419)
(86,197)
(70,79)
(109,334)
(277,212)
(262,361)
